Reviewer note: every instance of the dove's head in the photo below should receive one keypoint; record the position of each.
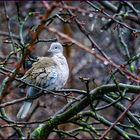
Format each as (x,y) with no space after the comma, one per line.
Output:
(55,48)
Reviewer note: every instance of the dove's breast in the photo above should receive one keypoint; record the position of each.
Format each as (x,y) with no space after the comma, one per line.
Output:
(63,69)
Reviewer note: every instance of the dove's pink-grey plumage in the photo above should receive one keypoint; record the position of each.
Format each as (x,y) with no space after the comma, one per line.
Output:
(50,73)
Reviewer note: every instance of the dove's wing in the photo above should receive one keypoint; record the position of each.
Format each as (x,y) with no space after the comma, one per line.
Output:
(43,73)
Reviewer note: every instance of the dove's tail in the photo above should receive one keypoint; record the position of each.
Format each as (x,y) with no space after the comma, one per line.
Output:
(24,109)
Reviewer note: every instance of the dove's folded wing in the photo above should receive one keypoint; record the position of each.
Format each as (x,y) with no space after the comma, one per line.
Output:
(43,73)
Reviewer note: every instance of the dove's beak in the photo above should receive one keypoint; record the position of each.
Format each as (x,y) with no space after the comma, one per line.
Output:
(49,53)
(49,50)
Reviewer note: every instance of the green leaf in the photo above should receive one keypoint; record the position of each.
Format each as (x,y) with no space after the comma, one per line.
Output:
(30,13)
(126,135)
(132,68)
(125,15)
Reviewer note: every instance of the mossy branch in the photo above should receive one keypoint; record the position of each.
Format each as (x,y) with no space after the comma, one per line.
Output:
(45,130)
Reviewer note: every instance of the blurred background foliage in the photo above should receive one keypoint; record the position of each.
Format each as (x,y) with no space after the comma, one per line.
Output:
(119,40)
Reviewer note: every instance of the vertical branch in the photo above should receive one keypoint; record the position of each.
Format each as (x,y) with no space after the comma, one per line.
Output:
(9,27)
